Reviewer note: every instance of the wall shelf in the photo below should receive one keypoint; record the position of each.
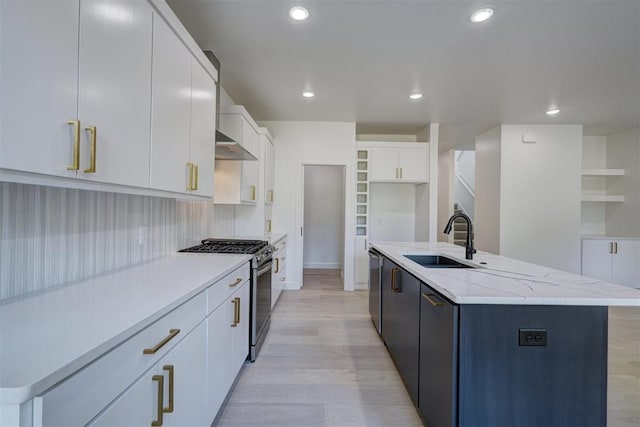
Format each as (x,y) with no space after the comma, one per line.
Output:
(601,198)
(602,172)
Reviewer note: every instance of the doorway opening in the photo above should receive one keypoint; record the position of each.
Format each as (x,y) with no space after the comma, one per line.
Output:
(324,226)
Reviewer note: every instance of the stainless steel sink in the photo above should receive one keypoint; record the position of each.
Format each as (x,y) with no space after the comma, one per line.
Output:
(437,261)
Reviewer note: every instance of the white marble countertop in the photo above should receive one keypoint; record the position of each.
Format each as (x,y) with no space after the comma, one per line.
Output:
(46,337)
(502,280)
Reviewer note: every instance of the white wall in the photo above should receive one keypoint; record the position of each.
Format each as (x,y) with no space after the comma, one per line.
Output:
(391,212)
(540,187)
(487,183)
(623,152)
(445,192)
(594,156)
(324,216)
(298,143)
(422,212)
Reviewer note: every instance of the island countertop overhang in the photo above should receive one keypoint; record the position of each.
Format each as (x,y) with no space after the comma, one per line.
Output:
(505,281)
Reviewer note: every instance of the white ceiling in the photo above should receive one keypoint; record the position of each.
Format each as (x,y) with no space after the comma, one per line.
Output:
(363,58)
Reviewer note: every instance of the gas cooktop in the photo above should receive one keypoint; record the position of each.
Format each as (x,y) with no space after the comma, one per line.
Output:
(228,246)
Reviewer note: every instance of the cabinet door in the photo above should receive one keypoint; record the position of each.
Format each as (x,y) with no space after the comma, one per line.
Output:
(186,365)
(38,88)
(115,89)
(250,169)
(626,263)
(362,260)
(240,333)
(389,319)
(383,164)
(219,357)
(413,164)
(138,406)
(438,359)
(171,116)
(405,349)
(203,113)
(269,164)
(596,259)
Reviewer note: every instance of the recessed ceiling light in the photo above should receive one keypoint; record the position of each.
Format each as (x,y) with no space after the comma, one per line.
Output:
(308,94)
(481,15)
(552,112)
(298,13)
(416,95)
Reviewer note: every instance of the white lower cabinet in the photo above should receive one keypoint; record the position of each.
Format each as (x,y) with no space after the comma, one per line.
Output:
(171,393)
(362,262)
(279,271)
(175,372)
(227,347)
(612,260)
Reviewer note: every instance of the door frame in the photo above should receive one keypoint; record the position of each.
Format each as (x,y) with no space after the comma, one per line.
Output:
(349,221)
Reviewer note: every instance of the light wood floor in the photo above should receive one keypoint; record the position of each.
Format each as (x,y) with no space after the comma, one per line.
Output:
(324,365)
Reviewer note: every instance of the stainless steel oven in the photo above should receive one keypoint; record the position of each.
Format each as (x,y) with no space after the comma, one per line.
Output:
(261,264)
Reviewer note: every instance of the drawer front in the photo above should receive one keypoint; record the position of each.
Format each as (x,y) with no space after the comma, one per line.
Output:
(281,245)
(82,396)
(223,288)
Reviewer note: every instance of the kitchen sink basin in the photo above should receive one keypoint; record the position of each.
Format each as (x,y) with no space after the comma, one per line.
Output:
(437,261)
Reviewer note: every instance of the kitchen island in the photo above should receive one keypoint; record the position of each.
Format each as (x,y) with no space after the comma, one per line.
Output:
(501,343)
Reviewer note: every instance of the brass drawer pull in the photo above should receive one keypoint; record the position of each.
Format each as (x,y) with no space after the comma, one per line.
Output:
(172,333)
(92,149)
(190,183)
(160,379)
(253,192)
(76,145)
(195,185)
(234,284)
(393,279)
(277,265)
(169,368)
(432,301)
(236,312)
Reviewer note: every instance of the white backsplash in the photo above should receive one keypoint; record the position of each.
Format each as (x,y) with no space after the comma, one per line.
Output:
(50,236)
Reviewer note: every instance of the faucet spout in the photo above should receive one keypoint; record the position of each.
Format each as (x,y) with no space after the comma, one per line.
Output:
(469,240)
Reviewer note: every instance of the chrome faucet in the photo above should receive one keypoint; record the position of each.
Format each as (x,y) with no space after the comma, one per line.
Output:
(469,242)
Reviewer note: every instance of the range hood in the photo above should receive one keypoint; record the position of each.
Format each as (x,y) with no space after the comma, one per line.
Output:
(226,147)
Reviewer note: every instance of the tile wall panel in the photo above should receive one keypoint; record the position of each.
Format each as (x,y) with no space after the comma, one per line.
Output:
(51,236)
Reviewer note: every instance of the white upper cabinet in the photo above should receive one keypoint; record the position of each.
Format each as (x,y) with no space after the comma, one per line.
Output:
(402,164)
(171,110)
(203,130)
(38,85)
(115,90)
(238,181)
(269,169)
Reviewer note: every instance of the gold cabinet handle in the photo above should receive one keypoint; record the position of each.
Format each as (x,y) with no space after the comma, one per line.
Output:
(234,284)
(393,279)
(610,247)
(269,225)
(92,149)
(271,195)
(160,379)
(237,320)
(235,312)
(615,247)
(431,300)
(169,369)
(277,265)
(400,173)
(172,333)
(76,145)
(190,182)
(195,185)
(253,192)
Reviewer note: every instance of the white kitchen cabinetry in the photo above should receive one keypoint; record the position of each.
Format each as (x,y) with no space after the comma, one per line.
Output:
(228,345)
(77,97)
(279,272)
(362,261)
(183,103)
(115,90)
(238,181)
(409,163)
(612,260)
(38,88)
(269,166)
(171,393)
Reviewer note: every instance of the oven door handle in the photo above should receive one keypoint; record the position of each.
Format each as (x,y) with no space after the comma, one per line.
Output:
(265,269)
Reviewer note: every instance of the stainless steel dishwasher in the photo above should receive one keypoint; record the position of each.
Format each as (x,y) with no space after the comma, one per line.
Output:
(375,296)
